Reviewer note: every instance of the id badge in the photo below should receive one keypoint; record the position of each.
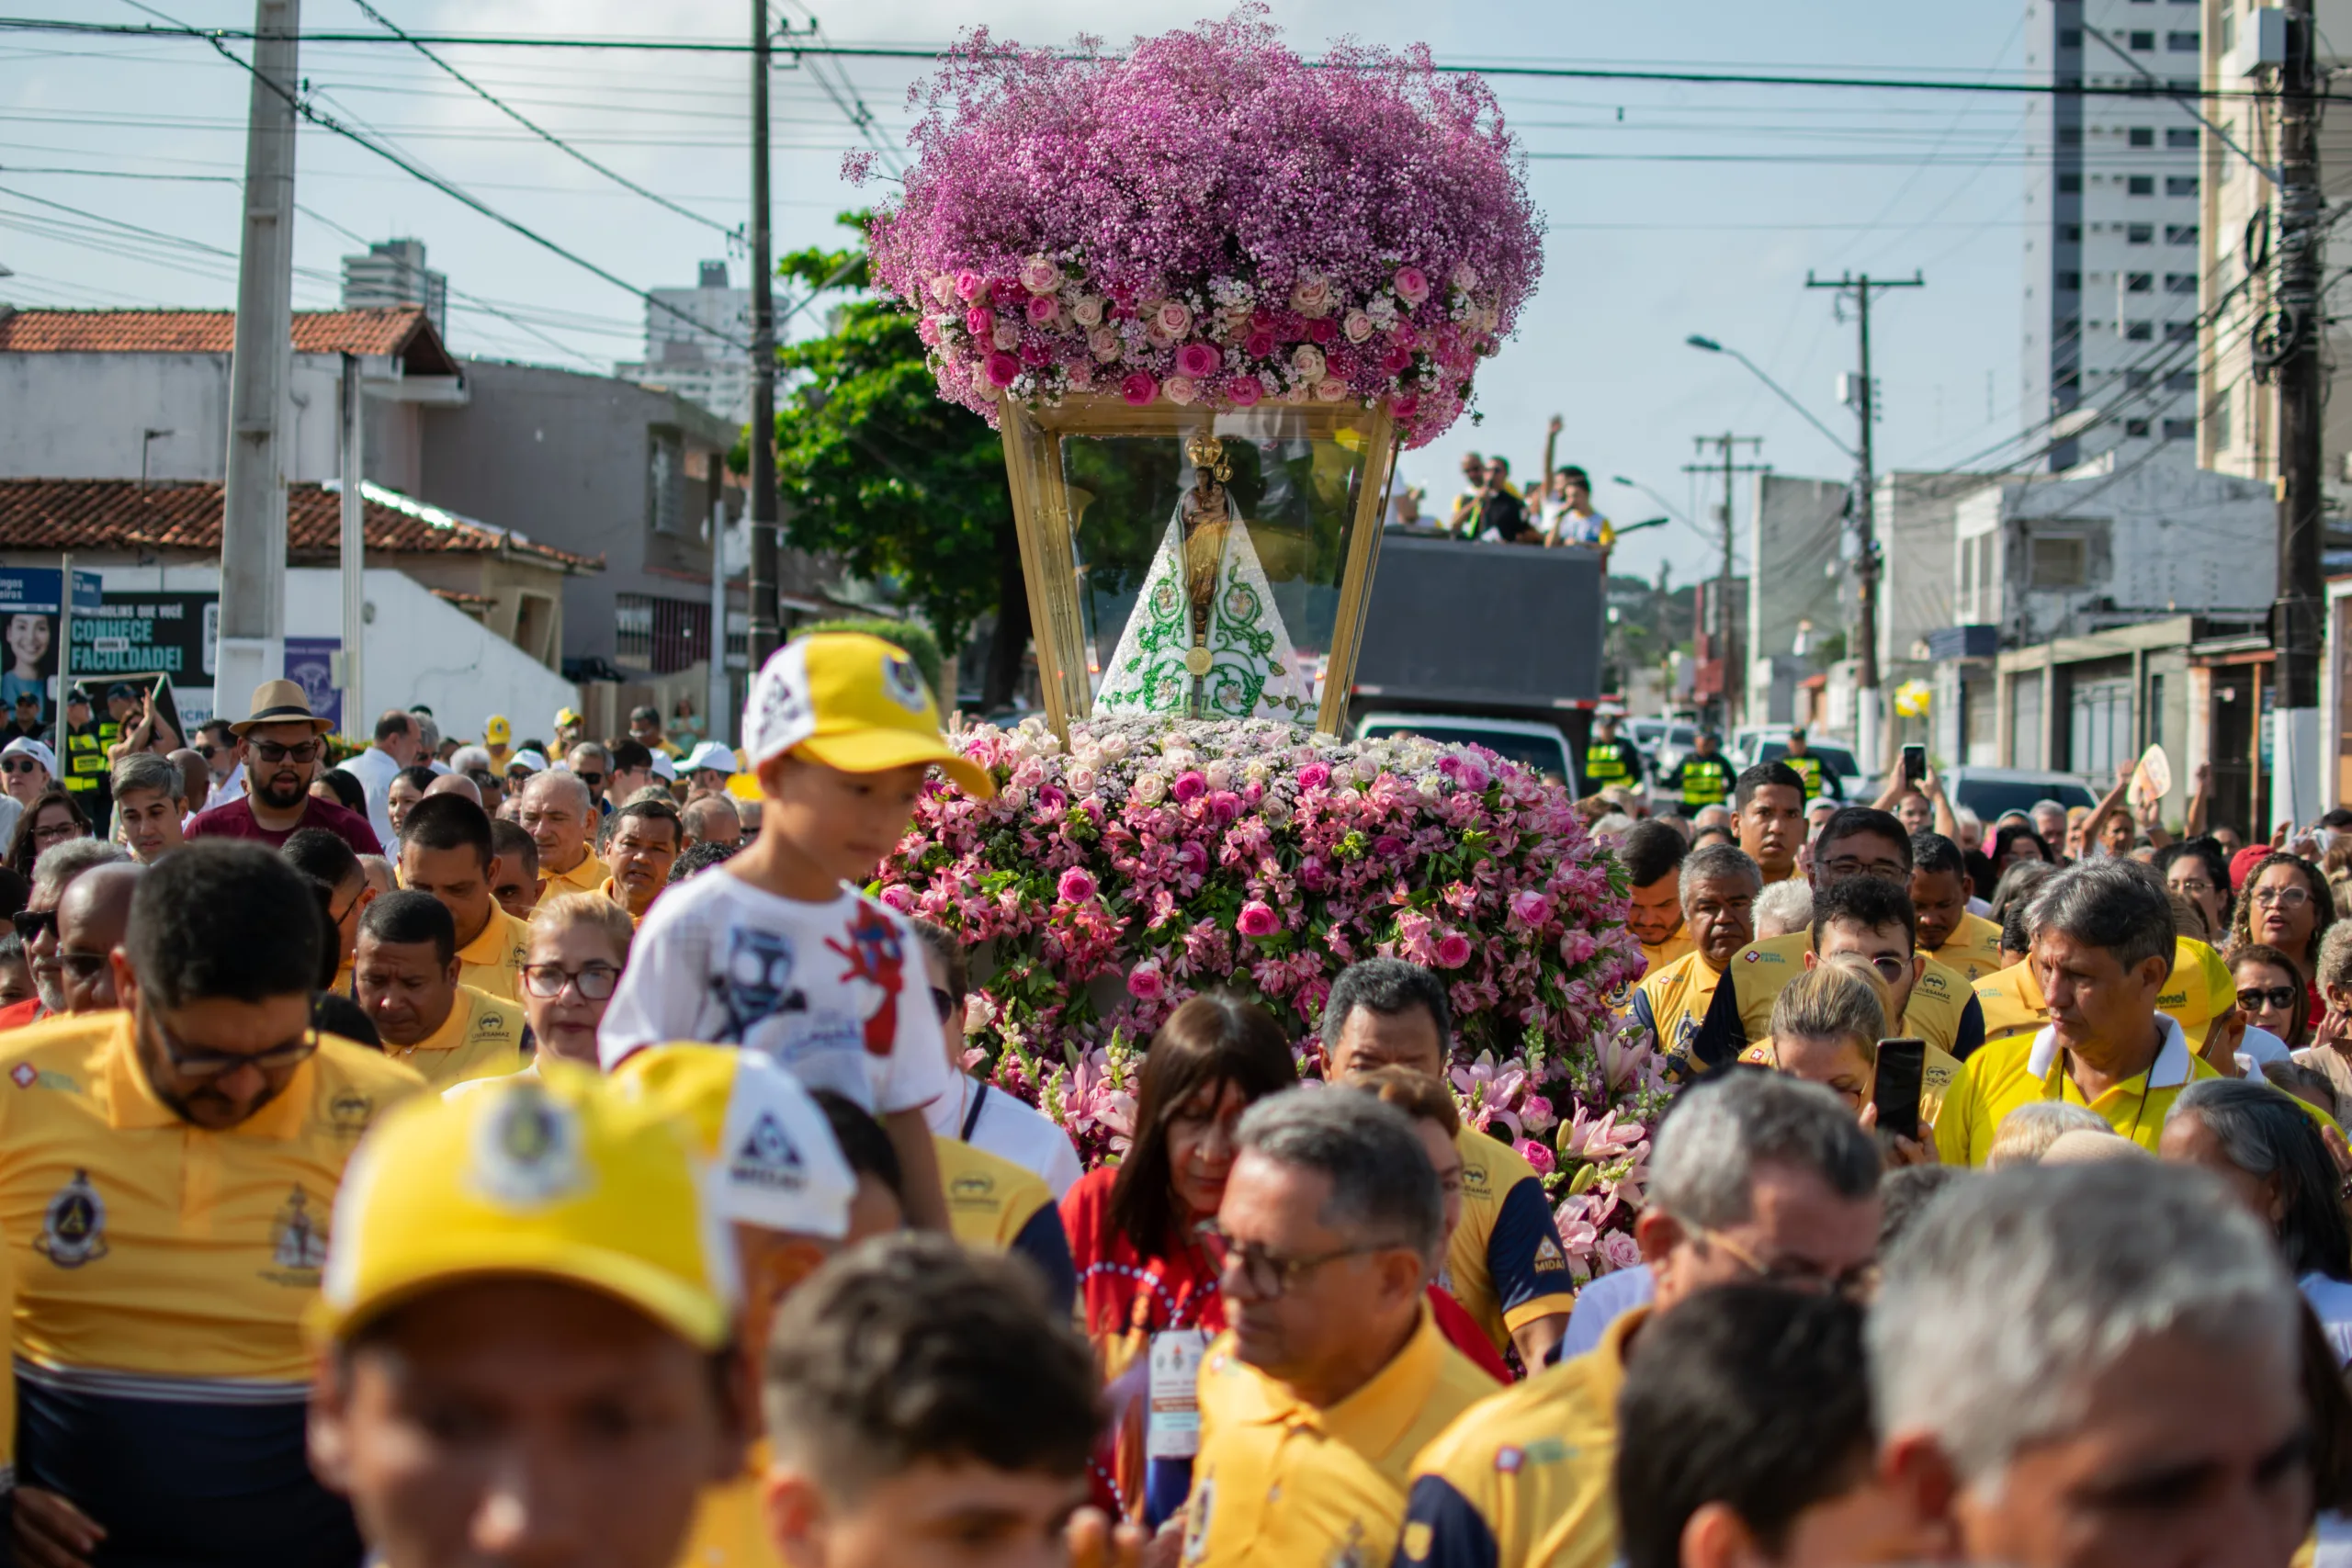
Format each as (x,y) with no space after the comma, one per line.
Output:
(1172,1421)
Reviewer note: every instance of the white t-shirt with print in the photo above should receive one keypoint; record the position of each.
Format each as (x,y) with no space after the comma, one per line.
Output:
(836,992)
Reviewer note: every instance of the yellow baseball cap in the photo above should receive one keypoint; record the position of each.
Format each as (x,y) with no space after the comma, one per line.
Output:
(851,701)
(565,716)
(556,1177)
(496,731)
(772,1161)
(2199,989)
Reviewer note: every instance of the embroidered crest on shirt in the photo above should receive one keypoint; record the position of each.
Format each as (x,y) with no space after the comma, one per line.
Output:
(298,1241)
(74,1226)
(876,957)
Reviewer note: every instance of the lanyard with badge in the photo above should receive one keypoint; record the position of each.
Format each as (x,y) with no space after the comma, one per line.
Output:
(2066,1076)
(1172,1396)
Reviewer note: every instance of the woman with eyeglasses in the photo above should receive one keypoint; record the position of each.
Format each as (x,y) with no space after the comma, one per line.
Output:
(2199,872)
(578,946)
(52,820)
(1148,1287)
(2287,905)
(2270,993)
(976,1113)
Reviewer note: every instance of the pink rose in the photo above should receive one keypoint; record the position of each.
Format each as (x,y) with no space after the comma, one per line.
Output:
(1044,308)
(1406,334)
(899,897)
(1146,983)
(1087,310)
(979,321)
(1197,360)
(1103,344)
(1225,806)
(1004,291)
(1322,330)
(1180,389)
(1538,1157)
(1259,345)
(1357,326)
(1036,355)
(1411,283)
(1138,388)
(1244,393)
(1308,360)
(1453,951)
(1621,1250)
(1189,786)
(1465,276)
(1330,389)
(1531,908)
(1340,363)
(1075,887)
(1040,275)
(1397,360)
(1000,369)
(1007,336)
(1173,317)
(1405,407)
(1311,296)
(1081,376)
(968,285)
(1315,775)
(1258,920)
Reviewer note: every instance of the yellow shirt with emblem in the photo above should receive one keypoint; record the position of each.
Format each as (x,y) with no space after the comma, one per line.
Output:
(1522,1479)
(585,877)
(1974,948)
(1939,1071)
(145,1245)
(730,1524)
(1667,951)
(1671,1001)
(1760,970)
(2197,990)
(990,1199)
(2026,1068)
(1504,1263)
(1280,1482)
(481,1038)
(493,962)
(610,888)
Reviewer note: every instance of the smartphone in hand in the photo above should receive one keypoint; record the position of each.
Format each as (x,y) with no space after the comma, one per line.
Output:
(1902,1067)
(1914,763)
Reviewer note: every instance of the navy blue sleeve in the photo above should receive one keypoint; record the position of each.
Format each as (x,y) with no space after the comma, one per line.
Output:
(1972,1029)
(1442,1530)
(1523,1267)
(1643,1016)
(1721,1036)
(1044,1243)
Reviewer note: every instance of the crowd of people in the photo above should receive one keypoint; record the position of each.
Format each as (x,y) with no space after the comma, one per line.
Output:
(542,1153)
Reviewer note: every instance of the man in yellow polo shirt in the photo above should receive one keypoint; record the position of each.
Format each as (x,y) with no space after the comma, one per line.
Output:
(1753,1177)
(2200,995)
(1940,890)
(1652,854)
(645,838)
(447,850)
(405,978)
(1331,1375)
(1769,804)
(994,1205)
(166,1176)
(561,815)
(2103,947)
(1859,841)
(1504,1263)
(1719,888)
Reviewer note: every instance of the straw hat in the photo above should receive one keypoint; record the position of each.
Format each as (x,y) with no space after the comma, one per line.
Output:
(281,702)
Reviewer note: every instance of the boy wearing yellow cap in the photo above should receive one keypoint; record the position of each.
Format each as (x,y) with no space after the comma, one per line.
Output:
(775,951)
(526,1332)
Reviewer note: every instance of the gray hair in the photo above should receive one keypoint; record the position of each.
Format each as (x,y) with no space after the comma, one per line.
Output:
(2265,1132)
(566,781)
(144,770)
(2334,967)
(1613,827)
(2025,1135)
(1709,861)
(1786,905)
(428,731)
(1716,1132)
(2014,1293)
(2119,904)
(466,758)
(595,753)
(62,863)
(1382,1187)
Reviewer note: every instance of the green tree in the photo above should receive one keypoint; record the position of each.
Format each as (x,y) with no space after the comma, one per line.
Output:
(887,477)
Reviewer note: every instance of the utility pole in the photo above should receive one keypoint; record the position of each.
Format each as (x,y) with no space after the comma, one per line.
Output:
(764,631)
(2295,615)
(1866,745)
(1726,652)
(252,525)
(358,723)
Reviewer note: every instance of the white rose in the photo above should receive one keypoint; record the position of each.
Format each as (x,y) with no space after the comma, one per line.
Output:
(1356,327)
(1330,389)
(1220,774)
(1308,360)
(1103,344)
(1007,336)
(1087,310)
(1149,788)
(1081,780)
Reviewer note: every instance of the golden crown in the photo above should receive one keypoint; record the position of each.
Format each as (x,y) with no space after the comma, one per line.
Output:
(1207,452)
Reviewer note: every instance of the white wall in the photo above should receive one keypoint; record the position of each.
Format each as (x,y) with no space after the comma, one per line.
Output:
(418,650)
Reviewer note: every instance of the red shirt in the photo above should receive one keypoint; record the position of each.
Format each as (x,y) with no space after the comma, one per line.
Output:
(235,820)
(1462,1332)
(15,1015)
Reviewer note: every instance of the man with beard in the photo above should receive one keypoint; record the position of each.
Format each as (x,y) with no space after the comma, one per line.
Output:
(285,744)
(36,925)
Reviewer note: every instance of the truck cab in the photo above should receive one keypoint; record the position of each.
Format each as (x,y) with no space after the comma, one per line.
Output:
(1539,747)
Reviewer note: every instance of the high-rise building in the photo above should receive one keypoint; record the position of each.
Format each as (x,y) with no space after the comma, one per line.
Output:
(2112,214)
(393,273)
(696,347)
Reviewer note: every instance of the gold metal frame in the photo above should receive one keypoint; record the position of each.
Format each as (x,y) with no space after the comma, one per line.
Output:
(1041,517)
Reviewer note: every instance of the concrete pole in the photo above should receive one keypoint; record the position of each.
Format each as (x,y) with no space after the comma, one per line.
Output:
(355,719)
(252,530)
(718,722)
(765,627)
(2295,618)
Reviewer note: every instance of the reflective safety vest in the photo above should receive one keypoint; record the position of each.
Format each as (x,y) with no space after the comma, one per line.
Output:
(85,761)
(1607,762)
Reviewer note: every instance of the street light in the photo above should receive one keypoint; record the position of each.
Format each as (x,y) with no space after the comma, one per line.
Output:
(1671,515)
(1710,345)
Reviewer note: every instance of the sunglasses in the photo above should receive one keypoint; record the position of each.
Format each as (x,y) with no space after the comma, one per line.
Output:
(271,752)
(30,923)
(2255,996)
(593,781)
(20,765)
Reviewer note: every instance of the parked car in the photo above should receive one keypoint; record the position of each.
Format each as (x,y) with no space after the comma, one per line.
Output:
(1538,746)
(1989,792)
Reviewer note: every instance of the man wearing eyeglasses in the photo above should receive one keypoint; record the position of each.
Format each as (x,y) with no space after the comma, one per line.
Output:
(404,973)
(1755,1178)
(285,744)
(448,848)
(92,920)
(1331,1375)
(36,925)
(167,1175)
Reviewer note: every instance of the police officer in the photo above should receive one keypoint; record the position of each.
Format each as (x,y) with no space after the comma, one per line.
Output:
(1703,776)
(1609,760)
(81,749)
(1818,774)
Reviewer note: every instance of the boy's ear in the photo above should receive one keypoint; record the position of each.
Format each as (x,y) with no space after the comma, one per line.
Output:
(792,1510)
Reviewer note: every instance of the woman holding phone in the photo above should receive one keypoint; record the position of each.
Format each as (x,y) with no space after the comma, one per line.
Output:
(1827,1028)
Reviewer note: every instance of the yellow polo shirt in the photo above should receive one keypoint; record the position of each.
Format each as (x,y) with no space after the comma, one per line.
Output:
(1761,969)
(585,877)
(2024,1069)
(990,1199)
(1670,1002)
(1504,1264)
(2199,989)
(730,1528)
(1940,1070)
(1974,948)
(145,1246)
(1521,1478)
(2012,1001)
(493,962)
(481,1038)
(611,889)
(1278,1481)
(1667,951)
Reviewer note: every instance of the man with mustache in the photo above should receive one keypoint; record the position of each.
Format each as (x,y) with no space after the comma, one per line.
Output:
(285,744)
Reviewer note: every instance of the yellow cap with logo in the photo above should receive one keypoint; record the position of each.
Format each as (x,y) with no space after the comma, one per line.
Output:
(558,1177)
(851,701)
(496,731)
(2199,989)
(773,1159)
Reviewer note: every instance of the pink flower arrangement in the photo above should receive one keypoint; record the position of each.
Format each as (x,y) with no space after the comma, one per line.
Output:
(1363,196)
(1107,884)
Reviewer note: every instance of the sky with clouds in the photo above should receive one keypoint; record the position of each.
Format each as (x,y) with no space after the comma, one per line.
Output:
(1671,209)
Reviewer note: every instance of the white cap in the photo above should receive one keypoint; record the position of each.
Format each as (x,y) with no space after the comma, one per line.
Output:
(26,745)
(710,754)
(772,1161)
(663,768)
(529,762)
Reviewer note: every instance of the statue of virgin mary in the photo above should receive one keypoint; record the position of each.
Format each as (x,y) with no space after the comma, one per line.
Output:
(1205,639)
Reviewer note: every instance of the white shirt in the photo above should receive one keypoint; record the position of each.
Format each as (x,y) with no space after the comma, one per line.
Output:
(231,786)
(376,769)
(836,992)
(1007,1127)
(2263,1048)
(1601,1303)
